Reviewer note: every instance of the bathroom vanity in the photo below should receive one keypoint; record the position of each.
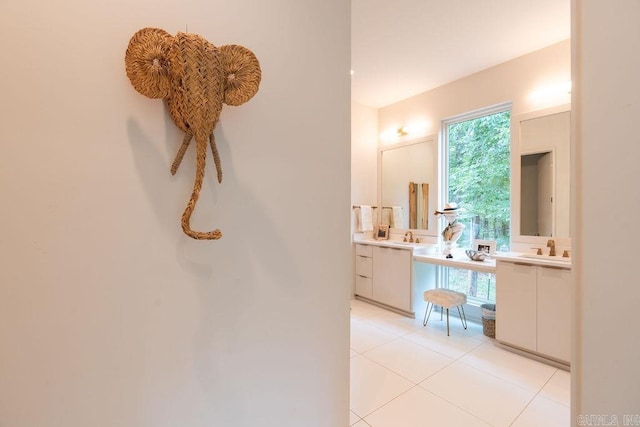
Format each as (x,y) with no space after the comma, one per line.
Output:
(533,293)
(533,305)
(386,272)
(384,275)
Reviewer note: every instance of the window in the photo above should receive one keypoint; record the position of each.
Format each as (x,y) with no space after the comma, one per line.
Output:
(477,165)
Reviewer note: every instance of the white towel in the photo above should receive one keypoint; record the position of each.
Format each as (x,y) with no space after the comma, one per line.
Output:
(366,218)
(397,216)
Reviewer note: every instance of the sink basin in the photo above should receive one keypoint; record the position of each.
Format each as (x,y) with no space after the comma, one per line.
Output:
(421,248)
(412,244)
(546,257)
(418,248)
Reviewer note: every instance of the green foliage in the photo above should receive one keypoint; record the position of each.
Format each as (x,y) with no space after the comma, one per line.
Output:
(479,175)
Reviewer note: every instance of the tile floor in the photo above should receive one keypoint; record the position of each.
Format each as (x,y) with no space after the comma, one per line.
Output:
(407,375)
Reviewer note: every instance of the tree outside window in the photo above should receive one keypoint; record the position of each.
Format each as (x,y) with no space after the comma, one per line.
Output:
(478,165)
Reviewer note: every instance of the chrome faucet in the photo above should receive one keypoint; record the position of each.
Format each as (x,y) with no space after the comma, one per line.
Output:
(551,244)
(409,233)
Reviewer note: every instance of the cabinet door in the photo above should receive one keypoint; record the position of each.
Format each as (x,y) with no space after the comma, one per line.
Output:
(516,304)
(554,312)
(392,277)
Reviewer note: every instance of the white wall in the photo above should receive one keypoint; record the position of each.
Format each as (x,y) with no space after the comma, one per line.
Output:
(605,151)
(364,144)
(109,315)
(512,81)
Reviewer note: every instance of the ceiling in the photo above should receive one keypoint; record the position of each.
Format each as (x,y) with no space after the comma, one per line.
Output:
(401,48)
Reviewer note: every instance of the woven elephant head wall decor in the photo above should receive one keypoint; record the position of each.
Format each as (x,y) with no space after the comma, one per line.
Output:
(196,78)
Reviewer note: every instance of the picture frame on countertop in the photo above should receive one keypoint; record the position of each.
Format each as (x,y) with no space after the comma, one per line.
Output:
(486,246)
(381,232)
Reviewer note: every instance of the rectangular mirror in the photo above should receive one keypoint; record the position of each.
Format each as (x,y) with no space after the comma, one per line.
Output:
(408,175)
(541,203)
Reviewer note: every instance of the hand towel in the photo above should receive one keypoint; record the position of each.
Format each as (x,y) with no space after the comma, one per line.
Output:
(397,216)
(366,218)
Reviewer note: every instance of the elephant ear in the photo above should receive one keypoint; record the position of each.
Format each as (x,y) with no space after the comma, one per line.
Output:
(147,62)
(241,74)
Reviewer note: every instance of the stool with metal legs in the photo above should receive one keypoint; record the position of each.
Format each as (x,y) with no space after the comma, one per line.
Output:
(445,298)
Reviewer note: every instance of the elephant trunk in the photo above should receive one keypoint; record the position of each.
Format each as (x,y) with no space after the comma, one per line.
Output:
(201,154)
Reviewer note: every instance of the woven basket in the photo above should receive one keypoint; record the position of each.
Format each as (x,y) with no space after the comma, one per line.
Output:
(489,327)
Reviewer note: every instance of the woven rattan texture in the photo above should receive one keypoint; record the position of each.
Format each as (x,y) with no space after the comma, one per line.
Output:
(196,78)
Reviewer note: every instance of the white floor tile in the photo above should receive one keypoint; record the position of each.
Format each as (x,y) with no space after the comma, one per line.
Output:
(373,385)
(463,379)
(509,366)
(420,408)
(410,360)
(363,310)
(473,328)
(558,388)
(490,398)
(366,337)
(395,323)
(353,418)
(435,338)
(544,412)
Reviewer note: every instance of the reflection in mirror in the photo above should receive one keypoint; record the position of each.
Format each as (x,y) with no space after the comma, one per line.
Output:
(418,205)
(536,193)
(406,173)
(544,175)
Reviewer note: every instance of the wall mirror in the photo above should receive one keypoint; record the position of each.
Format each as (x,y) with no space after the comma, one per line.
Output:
(541,170)
(407,184)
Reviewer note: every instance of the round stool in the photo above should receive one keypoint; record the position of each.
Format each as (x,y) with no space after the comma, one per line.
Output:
(445,298)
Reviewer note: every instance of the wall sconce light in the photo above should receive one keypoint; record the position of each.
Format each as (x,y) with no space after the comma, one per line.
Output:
(411,130)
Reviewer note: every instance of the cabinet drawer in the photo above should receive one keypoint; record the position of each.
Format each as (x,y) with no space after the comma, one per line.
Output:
(364,286)
(364,250)
(364,266)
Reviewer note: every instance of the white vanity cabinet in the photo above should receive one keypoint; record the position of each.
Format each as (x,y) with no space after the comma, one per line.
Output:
(533,308)
(383,275)
(392,277)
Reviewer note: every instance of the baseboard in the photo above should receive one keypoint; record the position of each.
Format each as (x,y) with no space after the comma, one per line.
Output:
(535,356)
(387,307)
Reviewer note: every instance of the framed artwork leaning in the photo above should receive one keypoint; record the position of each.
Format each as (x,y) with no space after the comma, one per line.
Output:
(381,232)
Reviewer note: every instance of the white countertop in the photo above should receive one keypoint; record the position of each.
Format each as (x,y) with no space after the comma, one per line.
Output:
(431,253)
(543,260)
(459,260)
(398,244)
